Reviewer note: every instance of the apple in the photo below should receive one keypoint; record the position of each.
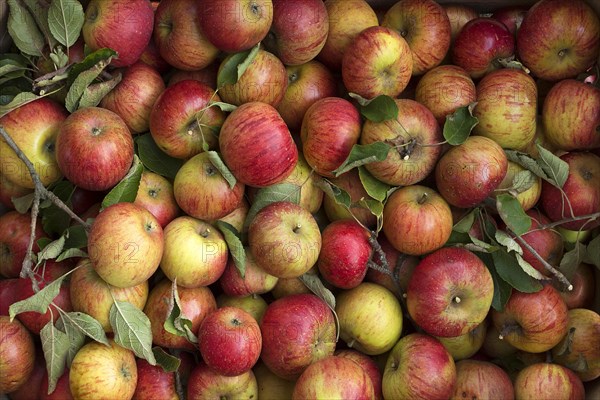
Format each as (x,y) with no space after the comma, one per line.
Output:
(284,239)
(511,16)
(196,304)
(132,99)
(459,15)
(125,244)
(154,382)
(544,381)
(253,304)
(155,194)
(415,136)
(580,195)
(297,330)
(93,296)
(571,115)
(7,294)
(82,200)
(229,340)
(584,288)
(481,46)
(152,57)
(17,355)
(62,390)
(206,75)
(528,198)
(580,349)
(494,347)
(237,217)
(559,39)
(257,146)
(419,367)
(311,196)
(182,122)
(533,322)
(265,80)
(307,83)
(36,379)
(336,378)
(289,286)
(468,173)
(330,127)
(467,345)
(368,364)
(204,383)
(15,231)
(271,386)
(255,280)
(100,371)
(34,128)
(202,192)
(417,220)
(347,18)
(481,380)
(178,36)
(94,148)
(298,31)
(195,252)
(355,308)
(378,61)
(234,26)
(10,191)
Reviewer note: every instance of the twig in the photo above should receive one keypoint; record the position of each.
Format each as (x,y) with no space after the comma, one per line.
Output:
(590,217)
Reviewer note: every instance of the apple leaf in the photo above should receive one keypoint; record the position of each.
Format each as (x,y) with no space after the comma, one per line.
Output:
(510,271)
(132,329)
(40,301)
(93,94)
(176,323)
(80,84)
(465,223)
(459,124)
(235,65)
(527,162)
(511,212)
(528,268)
(338,194)
(51,250)
(592,254)
(225,107)
(523,180)
(58,57)
(508,242)
(76,237)
(54,220)
(39,11)
(556,169)
(362,154)
(12,67)
(271,194)
(65,19)
(155,159)
(75,336)
(55,345)
(481,246)
(374,187)
(71,253)
(502,290)
(88,62)
(85,324)
(381,108)
(18,101)
(126,190)
(314,284)
(166,361)
(23,204)
(572,258)
(234,244)
(23,29)
(217,162)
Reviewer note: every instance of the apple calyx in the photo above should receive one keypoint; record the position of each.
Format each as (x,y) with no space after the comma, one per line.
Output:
(404,148)
(566,346)
(96,131)
(456,300)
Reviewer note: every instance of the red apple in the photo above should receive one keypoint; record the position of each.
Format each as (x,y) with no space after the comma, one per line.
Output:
(459,15)
(548,381)
(154,383)
(206,75)
(482,380)
(511,16)
(528,198)
(155,194)
(8,294)
(584,288)
(255,280)
(35,379)
(204,383)
(17,355)
(15,230)
(62,390)
(368,364)
(152,57)
(547,243)
(253,304)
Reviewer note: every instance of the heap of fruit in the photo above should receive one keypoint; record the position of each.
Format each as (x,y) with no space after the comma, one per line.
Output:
(299,199)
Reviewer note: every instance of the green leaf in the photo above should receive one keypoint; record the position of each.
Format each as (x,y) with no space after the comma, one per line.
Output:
(76,237)
(132,329)
(459,124)
(234,244)
(572,258)
(339,195)
(374,206)
(126,190)
(381,108)
(39,11)
(235,65)
(592,255)
(508,242)
(225,107)
(465,224)
(55,345)
(52,250)
(556,169)
(362,154)
(482,246)
(89,62)
(176,322)
(374,187)
(528,268)
(54,220)
(80,84)
(39,302)
(457,238)
(511,212)
(523,181)
(155,159)
(23,204)
(71,253)
(23,29)
(59,58)
(527,162)
(216,161)
(166,361)
(314,284)
(271,194)
(94,93)
(502,290)
(511,272)
(85,324)
(75,336)
(18,101)
(65,19)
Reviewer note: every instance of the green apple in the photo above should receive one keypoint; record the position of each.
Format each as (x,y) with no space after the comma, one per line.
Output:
(466,345)
(271,386)
(253,304)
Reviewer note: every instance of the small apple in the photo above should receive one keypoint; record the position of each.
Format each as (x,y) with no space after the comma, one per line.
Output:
(10,191)
(467,345)
(548,381)
(271,386)
(546,242)
(154,383)
(155,194)
(584,288)
(255,280)
(253,304)
(528,198)
(511,16)
(481,380)
(368,364)
(204,383)
(17,355)
(15,230)
(459,15)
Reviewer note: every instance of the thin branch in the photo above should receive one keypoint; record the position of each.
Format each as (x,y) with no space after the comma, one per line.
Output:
(589,217)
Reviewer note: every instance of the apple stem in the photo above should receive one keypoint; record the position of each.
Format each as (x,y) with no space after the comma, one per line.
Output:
(507,330)
(297,228)
(351,343)
(423,198)
(456,299)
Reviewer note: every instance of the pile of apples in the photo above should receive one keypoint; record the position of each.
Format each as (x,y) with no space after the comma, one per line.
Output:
(300,199)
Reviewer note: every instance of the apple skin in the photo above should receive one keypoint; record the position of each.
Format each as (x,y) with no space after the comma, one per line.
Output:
(17,352)
(229,340)
(289,286)
(481,380)
(361,332)
(377,61)
(155,194)
(559,39)
(34,128)
(548,381)
(465,346)
(132,99)
(571,115)
(415,356)
(450,292)
(368,364)
(253,304)
(330,127)
(178,35)
(583,342)
(94,148)
(297,330)
(206,75)
(582,189)
(445,88)
(62,391)
(511,16)
(546,242)
(417,220)
(417,136)
(234,26)
(584,288)
(15,230)
(176,117)
(154,383)
(528,198)
(311,196)
(196,304)
(204,383)
(93,296)
(480,44)
(255,280)
(152,57)
(533,322)
(10,190)
(195,253)
(459,15)
(100,371)
(466,174)
(237,217)
(7,294)
(271,386)
(334,377)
